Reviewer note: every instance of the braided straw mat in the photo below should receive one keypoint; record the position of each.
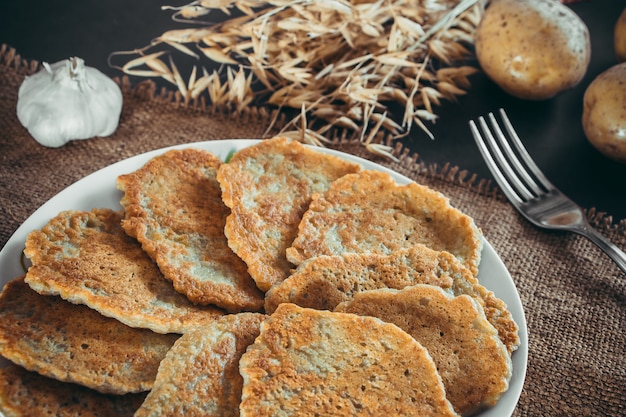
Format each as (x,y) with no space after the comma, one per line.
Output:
(574,297)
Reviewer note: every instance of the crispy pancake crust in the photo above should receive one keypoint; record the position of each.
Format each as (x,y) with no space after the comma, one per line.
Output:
(174,208)
(268,187)
(28,394)
(199,376)
(325,281)
(73,343)
(86,258)
(312,362)
(472,361)
(369,212)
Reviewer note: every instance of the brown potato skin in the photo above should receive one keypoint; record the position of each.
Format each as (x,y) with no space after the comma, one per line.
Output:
(619,38)
(533,49)
(604,112)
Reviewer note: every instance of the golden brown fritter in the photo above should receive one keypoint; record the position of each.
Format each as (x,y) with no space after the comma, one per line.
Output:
(369,212)
(312,362)
(28,394)
(73,343)
(268,187)
(86,258)
(173,207)
(325,281)
(473,363)
(199,376)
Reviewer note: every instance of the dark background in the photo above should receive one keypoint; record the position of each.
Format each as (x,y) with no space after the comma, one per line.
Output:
(53,30)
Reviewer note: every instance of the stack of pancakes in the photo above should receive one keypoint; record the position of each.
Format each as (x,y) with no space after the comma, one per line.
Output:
(285,281)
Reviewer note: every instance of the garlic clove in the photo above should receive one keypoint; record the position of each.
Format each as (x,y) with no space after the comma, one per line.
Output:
(68,101)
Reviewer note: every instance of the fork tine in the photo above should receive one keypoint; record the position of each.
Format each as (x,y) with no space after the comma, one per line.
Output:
(504,143)
(523,153)
(505,167)
(500,178)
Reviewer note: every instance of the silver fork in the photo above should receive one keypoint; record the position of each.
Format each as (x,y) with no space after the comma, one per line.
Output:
(529,190)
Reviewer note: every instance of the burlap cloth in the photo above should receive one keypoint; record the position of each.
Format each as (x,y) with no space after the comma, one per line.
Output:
(573,296)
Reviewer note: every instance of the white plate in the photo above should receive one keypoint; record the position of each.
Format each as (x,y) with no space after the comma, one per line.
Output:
(98,190)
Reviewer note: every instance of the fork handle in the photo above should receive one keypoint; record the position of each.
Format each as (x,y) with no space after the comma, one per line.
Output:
(617,255)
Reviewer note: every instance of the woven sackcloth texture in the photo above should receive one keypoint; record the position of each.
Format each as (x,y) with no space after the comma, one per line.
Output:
(574,297)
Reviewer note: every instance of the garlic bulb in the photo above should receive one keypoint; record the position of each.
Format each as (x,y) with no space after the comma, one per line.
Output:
(68,100)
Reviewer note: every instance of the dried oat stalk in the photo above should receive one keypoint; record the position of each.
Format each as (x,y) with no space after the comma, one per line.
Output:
(338,63)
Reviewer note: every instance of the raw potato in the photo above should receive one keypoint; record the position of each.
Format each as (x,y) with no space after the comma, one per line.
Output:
(604,112)
(620,38)
(533,49)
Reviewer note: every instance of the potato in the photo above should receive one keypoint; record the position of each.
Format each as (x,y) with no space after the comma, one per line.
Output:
(533,49)
(604,112)
(619,38)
